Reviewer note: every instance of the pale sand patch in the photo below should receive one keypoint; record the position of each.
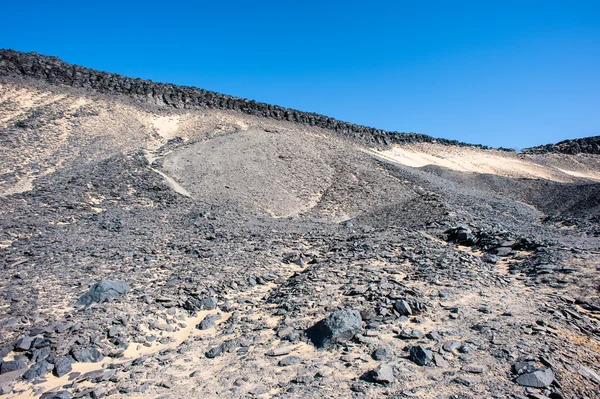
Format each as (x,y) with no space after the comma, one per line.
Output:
(584,175)
(24,99)
(178,188)
(25,184)
(166,126)
(22,186)
(474,160)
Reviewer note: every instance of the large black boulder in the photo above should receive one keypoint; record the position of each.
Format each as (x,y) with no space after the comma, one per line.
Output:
(340,326)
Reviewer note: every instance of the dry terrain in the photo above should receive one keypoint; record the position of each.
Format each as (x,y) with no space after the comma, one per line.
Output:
(155,247)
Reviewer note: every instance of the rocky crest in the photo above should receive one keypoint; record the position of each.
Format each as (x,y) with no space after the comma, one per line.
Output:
(55,71)
(586,145)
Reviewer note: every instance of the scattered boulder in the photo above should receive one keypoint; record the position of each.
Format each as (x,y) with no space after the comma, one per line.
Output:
(383,374)
(489,258)
(440,361)
(462,235)
(403,308)
(339,327)
(6,388)
(410,334)
(381,354)
(208,322)
(227,346)
(62,366)
(502,251)
(289,361)
(57,395)
(451,346)
(281,351)
(420,355)
(536,379)
(194,304)
(87,355)
(103,291)
(12,365)
(24,344)
(38,370)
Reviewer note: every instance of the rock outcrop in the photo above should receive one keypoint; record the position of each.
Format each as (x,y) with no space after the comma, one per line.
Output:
(55,71)
(586,145)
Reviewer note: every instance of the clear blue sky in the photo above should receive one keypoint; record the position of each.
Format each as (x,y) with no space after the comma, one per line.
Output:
(502,73)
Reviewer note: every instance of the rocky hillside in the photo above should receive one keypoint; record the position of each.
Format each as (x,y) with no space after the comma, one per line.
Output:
(55,71)
(586,145)
(166,242)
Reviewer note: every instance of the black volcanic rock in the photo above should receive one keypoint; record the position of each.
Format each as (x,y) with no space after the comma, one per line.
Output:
(586,145)
(55,71)
(339,327)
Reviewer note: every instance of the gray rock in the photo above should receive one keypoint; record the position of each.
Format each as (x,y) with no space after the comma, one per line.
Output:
(384,374)
(589,374)
(289,361)
(6,388)
(103,291)
(491,259)
(410,334)
(381,354)
(40,354)
(9,324)
(87,355)
(24,344)
(473,368)
(285,332)
(57,395)
(208,322)
(451,346)
(38,370)
(420,355)
(281,351)
(62,366)
(12,365)
(523,367)
(403,308)
(466,381)
(207,304)
(440,361)
(537,379)
(193,304)
(339,327)
(503,251)
(227,346)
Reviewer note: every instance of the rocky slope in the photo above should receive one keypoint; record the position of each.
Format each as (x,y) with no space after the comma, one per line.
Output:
(55,71)
(586,145)
(170,245)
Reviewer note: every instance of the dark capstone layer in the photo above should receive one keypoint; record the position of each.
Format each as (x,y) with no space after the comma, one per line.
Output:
(55,71)
(586,145)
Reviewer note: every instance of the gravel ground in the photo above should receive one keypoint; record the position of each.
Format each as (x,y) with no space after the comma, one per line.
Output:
(248,257)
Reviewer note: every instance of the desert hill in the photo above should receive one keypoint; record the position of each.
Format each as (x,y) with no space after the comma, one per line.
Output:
(227,230)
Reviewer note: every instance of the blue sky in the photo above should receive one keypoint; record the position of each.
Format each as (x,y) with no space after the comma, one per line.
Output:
(502,73)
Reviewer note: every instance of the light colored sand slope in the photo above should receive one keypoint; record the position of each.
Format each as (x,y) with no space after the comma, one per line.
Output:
(473,160)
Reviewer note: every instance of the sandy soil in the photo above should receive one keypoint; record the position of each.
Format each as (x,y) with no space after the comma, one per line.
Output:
(472,160)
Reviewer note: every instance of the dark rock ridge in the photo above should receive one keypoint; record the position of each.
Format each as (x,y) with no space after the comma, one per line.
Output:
(586,145)
(55,71)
